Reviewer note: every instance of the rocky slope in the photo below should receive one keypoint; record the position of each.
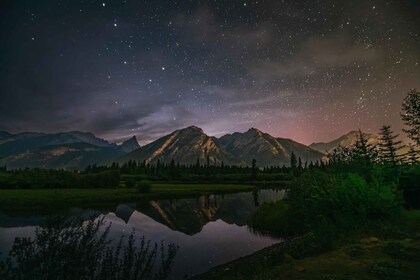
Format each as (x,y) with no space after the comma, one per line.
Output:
(69,150)
(266,149)
(346,140)
(184,146)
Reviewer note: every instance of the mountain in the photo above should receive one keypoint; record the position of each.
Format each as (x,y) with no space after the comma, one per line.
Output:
(184,146)
(69,150)
(346,140)
(266,149)
(130,145)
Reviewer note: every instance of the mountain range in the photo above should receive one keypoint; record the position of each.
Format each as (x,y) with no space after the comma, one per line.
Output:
(69,150)
(76,150)
(191,143)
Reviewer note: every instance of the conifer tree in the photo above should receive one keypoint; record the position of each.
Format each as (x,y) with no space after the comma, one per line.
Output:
(412,156)
(293,160)
(362,151)
(388,146)
(411,115)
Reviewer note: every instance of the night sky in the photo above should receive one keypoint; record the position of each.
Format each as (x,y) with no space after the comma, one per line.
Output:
(306,70)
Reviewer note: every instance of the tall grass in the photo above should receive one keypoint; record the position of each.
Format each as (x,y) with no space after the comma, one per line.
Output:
(66,249)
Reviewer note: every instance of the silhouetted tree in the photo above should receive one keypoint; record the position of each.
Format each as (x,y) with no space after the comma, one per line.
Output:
(293,160)
(362,151)
(412,156)
(388,146)
(411,115)
(254,168)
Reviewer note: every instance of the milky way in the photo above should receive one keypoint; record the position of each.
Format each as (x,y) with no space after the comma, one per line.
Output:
(307,70)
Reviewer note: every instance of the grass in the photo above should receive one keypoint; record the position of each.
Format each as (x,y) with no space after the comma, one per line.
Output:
(44,200)
(394,256)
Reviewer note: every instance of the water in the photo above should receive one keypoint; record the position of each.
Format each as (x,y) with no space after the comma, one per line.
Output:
(209,230)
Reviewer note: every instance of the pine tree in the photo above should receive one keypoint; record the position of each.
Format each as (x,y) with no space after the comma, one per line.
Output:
(411,115)
(362,151)
(293,160)
(388,147)
(254,168)
(412,156)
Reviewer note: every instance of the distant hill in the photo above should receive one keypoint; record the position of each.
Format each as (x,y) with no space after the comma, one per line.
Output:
(70,150)
(346,140)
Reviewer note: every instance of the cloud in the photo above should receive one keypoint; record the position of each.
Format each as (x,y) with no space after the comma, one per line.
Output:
(333,52)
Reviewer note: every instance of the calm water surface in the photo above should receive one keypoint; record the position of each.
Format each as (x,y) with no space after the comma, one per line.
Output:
(209,230)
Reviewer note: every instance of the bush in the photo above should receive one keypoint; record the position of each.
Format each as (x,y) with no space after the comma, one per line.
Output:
(144,186)
(68,249)
(327,208)
(386,269)
(130,182)
(344,201)
(399,251)
(272,218)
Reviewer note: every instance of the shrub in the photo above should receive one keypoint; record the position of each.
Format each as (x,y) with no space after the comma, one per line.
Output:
(130,182)
(67,249)
(385,269)
(144,186)
(399,251)
(342,201)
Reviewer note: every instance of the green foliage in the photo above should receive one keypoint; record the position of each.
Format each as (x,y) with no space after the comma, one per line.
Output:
(411,115)
(144,186)
(56,179)
(389,146)
(385,269)
(336,277)
(272,218)
(322,208)
(130,182)
(304,246)
(399,251)
(355,251)
(342,200)
(67,249)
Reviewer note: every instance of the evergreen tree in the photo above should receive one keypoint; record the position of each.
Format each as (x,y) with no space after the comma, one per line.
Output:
(412,156)
(300,163)
(411,115)
(388,146)
(362,151)
(293,160)
(254,168)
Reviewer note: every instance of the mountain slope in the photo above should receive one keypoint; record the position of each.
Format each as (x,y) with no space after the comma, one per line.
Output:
(266,149)
(130,145)
(346,140)
(184,146)
(70,150)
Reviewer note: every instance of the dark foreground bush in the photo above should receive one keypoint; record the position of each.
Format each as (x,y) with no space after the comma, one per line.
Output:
(69,250)
(144,186)
(328,208)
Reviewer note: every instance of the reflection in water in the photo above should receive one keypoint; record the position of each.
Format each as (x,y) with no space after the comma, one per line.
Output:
(209,230)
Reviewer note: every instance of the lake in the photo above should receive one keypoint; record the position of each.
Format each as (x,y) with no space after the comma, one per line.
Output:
(209,230)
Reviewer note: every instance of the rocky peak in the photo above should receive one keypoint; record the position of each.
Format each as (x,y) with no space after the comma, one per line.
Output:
(130,145)
(254,131)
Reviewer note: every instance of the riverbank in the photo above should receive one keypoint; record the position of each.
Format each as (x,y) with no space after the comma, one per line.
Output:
(391,255)
(45,200)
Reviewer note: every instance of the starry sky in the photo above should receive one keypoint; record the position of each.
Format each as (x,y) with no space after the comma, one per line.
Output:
(307,70)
